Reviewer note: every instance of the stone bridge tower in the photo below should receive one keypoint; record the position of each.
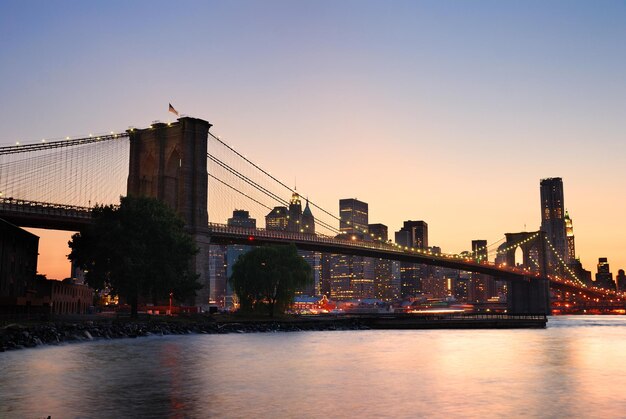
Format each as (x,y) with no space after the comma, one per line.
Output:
(533,294)
(169,162)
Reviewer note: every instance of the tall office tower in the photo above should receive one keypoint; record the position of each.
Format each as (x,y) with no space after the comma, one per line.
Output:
(604,277)
(553,221)
(482,286)
(294,213)
(418,232)
(217,275)
(241,218)
(277,219)
(325,274)
(351,277)
(410,281)
(621,280)
(385,285)
(353,216)
(413,234)
(314,259)
(479,250)
(569,236)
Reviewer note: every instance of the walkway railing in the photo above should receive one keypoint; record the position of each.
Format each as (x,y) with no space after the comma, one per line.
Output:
(280,235)
(44,208)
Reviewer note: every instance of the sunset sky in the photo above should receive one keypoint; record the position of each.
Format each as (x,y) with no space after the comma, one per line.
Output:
(444,111)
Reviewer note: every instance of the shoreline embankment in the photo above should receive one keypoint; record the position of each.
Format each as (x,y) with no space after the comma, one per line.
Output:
(20,335)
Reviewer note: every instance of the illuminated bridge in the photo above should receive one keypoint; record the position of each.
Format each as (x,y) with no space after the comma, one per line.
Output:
(54,183)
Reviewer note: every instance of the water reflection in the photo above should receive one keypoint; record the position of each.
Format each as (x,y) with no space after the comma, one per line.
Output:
(574,368)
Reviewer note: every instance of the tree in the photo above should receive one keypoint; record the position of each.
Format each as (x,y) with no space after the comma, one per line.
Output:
(268,277)
(139,249)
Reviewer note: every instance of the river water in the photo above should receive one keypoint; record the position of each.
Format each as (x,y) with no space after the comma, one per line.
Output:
(574,368)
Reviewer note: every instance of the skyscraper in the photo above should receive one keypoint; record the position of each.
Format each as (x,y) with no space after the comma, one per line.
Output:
(620,279)
(418,232)
(353,216)
(413,234)
(352,276)
(553,221)
(604,277)
(569,235)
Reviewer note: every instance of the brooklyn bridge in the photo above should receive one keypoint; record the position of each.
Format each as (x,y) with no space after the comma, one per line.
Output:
(54,184)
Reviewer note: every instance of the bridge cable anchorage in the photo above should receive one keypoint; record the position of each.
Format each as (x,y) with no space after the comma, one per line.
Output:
(270,176)
(26,148)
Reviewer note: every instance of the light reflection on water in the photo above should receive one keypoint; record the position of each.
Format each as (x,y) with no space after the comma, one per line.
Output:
(575,368)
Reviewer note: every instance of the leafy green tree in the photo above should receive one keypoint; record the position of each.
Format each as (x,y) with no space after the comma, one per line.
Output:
(268,278)
(139,249)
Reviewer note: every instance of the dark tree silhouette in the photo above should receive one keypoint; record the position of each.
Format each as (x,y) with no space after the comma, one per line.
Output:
(139,249)
(268,277)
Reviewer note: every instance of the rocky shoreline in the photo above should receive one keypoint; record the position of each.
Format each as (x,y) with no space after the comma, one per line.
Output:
(20,336)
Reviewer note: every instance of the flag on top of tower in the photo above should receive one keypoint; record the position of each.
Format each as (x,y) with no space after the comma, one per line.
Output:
(172,110)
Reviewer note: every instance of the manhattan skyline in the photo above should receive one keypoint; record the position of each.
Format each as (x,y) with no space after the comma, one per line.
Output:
(445,112)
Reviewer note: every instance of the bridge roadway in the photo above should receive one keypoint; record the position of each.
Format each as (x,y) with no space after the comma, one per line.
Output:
(72,218)
(222,234)
(44,215)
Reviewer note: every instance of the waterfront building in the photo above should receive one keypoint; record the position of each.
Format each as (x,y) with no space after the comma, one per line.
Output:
(241,218)
(63,297)
(604,277)
(553,221)
(18,266)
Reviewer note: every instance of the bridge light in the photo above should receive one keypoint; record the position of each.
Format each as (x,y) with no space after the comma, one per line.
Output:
(67,138)
(17,143)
